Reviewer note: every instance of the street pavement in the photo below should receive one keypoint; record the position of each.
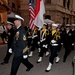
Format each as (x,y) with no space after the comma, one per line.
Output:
(60,68)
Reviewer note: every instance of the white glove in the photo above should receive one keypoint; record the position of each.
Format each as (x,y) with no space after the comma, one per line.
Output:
(39,29)
(61,43)
(53,41)
(25,56)
(43,40)
(72,44)
(33,37)
(10,50)
(45,46)
(38,42)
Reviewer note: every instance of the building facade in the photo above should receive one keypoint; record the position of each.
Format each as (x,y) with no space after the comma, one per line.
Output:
(3,10)
(60,11)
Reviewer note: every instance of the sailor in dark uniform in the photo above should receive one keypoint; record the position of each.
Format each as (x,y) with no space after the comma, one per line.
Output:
(29,37)
(10,35)
(20,47)
(43,42)
(54,43)
(73,31)
(67,41)
(34,41)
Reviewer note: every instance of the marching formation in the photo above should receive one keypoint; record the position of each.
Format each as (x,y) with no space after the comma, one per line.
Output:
(23,42)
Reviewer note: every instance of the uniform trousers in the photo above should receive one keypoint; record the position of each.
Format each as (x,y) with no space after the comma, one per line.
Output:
(7,57)
(67,51)
(43,50)
(34,46)
(17,60)
(54,50)
(29,42)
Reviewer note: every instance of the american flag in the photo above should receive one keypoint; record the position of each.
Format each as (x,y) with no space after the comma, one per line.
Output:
(32,14)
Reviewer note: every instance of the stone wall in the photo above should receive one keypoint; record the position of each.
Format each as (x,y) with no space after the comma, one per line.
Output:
(55,9)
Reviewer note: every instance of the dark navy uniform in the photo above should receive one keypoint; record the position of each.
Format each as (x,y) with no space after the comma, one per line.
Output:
(20,47)
(73,31)
(43,42)
(20,42)
(34,41)
(10,34)
(29,37)
(54,43)
(67,40)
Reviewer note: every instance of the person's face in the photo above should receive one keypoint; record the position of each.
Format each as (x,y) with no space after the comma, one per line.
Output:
(8,26)
(72,27)
(53,27)
(44,27)
(17,23)
(67,28)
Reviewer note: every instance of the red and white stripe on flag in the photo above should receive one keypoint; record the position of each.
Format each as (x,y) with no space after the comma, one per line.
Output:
(39,12)
(32,15)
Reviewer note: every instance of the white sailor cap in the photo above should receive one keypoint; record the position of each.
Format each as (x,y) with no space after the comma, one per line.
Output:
(45,23)
(17,17)
(10,23)
(68,25)
(56,25)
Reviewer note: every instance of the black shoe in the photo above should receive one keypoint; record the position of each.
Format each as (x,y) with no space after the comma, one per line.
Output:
(28,69)
(3,63)
(38,62)
(47,70)
(64,60)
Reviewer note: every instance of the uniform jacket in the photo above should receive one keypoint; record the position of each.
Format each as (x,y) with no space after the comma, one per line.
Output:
(67,38)
(10,35)
(20,41)
(54,38)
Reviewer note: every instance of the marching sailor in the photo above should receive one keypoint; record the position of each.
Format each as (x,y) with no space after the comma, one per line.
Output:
(43,42)
(54,37)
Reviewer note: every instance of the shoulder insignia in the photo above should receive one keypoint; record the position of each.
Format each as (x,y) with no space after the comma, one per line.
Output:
(24,37)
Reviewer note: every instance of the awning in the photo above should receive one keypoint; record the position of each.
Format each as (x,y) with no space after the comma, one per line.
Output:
(11,15)
(48,21)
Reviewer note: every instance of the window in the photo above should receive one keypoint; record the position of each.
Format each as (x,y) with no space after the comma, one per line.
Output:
(64,20)
(13,5)
(0,18)
(74,20)
(64,3)
(68,4)
(67,20)
(47,17)
(48,1)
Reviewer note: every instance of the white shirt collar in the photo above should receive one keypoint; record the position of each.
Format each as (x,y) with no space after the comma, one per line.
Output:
(18,26)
